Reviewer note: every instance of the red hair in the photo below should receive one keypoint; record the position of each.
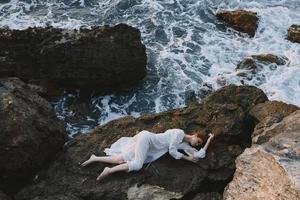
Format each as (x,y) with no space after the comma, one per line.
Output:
(200,135)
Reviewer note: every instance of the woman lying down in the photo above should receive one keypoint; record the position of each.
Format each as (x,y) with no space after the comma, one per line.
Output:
(130,153)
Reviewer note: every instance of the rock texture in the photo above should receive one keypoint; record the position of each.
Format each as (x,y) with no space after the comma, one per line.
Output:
(270,170)
(100,57)
(241,20)
(208,196)
(150,192)
(224,115)
(30,133)
(294,33)
(3,196)
(267,114)
(249,67)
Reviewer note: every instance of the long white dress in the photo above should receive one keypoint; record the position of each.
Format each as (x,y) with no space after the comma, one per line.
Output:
(146,147)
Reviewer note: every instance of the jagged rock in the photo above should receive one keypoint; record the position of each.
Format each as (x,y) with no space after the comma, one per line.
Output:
(267,114)
(100,58)
(241,20)
(270,170)
(225,116)
(249,67)
(294,33)
(30,133)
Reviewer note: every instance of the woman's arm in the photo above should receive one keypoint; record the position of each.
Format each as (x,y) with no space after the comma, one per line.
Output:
(189,158)
(202,152)
(208,141)
(175,139)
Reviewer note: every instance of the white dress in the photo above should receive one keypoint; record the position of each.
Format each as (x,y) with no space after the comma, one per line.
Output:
(146,147)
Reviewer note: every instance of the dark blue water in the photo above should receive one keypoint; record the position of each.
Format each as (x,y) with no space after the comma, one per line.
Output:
(189,51)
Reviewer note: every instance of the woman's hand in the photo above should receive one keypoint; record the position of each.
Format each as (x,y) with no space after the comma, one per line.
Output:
(211,136)
(193,159)
(190,158)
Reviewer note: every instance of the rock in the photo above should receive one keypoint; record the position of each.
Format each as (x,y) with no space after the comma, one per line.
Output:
(101,58)
(294,33)
(260,176)
(251,66)
(244,96)
(270,170)
(267,114)
(150,192)
(58,197)
(241,20)
(30,135)
(208,196)
(3,196)
(175,177)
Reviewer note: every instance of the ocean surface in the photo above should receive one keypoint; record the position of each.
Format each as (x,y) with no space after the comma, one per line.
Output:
(189,51)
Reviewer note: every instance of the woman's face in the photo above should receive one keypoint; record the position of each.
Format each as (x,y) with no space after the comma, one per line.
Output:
(195,141)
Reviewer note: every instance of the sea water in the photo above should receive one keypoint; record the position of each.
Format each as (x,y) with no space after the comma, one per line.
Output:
(189,51)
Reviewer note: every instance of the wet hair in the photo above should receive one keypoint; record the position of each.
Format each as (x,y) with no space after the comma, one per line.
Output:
(200,135)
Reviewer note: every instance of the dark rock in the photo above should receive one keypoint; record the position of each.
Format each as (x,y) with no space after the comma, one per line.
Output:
(252,65)
(30,133)
(267,114)
(208,196)
(270,58)
(222,115)
(58,197)
(294,33)
(101,58)
(241,20)
(244,96)
(3,196)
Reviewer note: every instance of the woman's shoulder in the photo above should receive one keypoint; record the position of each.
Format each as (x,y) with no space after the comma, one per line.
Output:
(175,130)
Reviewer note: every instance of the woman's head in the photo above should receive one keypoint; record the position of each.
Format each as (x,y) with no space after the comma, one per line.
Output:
(198,138)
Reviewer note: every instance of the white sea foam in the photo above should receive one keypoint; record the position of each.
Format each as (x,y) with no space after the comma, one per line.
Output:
(187,48)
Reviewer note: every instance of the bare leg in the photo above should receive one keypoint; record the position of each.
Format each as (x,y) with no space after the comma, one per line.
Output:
(107,171)
(115,159)
(140,155)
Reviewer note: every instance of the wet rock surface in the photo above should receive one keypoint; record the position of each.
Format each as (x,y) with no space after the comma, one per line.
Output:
(270,169)
(30,134)
(223,115)
(100,58)
(240,20)
(250,67)
(294,33)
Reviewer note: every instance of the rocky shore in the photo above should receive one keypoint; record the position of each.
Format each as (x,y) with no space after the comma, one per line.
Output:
(238,115)
(102,58)
(224,112)
(255,154)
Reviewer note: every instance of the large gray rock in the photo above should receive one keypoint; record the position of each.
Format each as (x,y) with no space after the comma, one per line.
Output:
(100,58)
(166,177)
(30,134)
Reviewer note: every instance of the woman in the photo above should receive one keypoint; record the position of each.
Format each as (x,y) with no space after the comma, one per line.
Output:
(130,153)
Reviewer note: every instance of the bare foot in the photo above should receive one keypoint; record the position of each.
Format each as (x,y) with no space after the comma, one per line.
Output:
(104,173)
(89,161)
